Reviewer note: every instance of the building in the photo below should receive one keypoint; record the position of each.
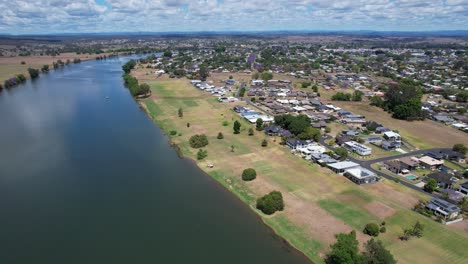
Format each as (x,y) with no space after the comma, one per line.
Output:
(394,166)
(410,163)
(390,145)
(358,148)
(443,208)
(430,163)
(295,143)
(443,179)
(341,167)
(463,188)
(392,136)
(360,175)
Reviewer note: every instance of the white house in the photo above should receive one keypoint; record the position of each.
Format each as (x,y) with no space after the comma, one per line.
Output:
(392,136)
(358,148)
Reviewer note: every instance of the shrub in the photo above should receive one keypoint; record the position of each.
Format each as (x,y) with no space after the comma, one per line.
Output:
(225,123)
(173,133)
(201,154)
(21,78)
(236,127)
(264,143)
(251,132)
(220,136)
(271,203)
(383,229)
(34,73)
(198,141)
(249,174)
(188,124)
(371,229)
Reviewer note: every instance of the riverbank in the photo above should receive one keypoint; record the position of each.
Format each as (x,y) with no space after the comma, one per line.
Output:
(12,66)
(319,203)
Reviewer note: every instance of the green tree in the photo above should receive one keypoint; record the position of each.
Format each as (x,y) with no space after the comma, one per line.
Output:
(430,186)
(180,112)
(167,54)
(344,250)
(34,73)
(21,78)
(45,68)
(376,253)
(377,101)
(204,73)
(198,141)
(310,133)
(339,96)
(249,174)
(259,124)
(315,88)
(264,143)
(267,76)
(271,203)
(460,148)
(462,96)
(251,131)
(371,229)
(144,88)
(201,154)
(357,96)
(127,67)
(342,152)
(255,76)
(418,229)
(236,127)
(220,136)
(327,129)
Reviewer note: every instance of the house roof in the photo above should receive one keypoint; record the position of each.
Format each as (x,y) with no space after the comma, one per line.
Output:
(409,161)
(360,173)
(441,177)
(430,161)
(444,205)
(343,165)
(394,164)
(391,134)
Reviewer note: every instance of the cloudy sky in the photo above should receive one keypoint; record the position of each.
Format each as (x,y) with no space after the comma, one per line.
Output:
(74,16)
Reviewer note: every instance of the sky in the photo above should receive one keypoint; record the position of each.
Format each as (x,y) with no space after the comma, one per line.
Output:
(94,16)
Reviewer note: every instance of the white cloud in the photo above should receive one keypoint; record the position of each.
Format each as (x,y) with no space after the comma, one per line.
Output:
(48,16)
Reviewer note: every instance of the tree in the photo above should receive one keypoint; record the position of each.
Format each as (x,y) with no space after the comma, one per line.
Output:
(357,96)
(339,96)
(144,88)
(204,73)
(404,100)
(418,229)
(460,148)
(255,76)
(376,253)
(198,141)
(34,73)
(201,154)
(45,68)
(251,131)
(180,112)
(310,133)
(249,174)
(236,127)
(220,136)
(315,88)
(462,96)
(267,76)
(371,229)
(259,124)
(127,67)
(327,129)
(271,203)
(167,54)
(344,250)
(21,78)
(342,152)
(430,186)
(377,101)
(264,143)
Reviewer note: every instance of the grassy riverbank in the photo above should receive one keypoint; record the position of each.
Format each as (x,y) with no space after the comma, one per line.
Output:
(319,203)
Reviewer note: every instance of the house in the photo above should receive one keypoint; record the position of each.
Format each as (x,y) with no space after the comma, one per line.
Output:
(453,155)
(443,208)
(390,145)
(463,188)
(320,124)
(341,167)
(295,143)
(392,136)
(394,166)
(350,133)
(430,163)
(374,140)
(322,158)
(443,179)
(435,155)
(273,130)
(381,129)
(340,140)
(360,175)
(358,148)
(410,163)
(240,109)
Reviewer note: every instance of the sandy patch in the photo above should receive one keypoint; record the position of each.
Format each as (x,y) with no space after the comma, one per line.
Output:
(380,210)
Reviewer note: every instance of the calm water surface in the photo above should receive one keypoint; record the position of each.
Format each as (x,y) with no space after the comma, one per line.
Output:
(85,179)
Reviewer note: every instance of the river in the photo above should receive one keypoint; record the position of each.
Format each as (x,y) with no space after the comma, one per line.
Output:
(86,177)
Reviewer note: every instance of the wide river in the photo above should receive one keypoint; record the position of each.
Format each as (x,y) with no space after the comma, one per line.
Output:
(86,177)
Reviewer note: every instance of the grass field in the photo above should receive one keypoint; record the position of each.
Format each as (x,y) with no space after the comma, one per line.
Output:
(319,203)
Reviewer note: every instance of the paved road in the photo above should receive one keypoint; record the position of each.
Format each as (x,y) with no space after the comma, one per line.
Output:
(368,163)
